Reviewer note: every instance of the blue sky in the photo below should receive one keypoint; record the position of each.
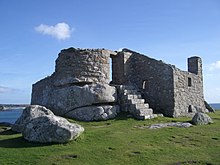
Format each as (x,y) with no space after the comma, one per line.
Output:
(33,33)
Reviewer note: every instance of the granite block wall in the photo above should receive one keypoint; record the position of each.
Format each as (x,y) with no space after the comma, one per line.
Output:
(167,89)
(188,88)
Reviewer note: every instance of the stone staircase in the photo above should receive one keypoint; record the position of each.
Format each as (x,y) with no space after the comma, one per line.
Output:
(131,101)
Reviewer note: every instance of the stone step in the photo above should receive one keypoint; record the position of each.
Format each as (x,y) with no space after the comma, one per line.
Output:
(144,111)
(141,113)
(140,106)
(158,114)
(133,96)
(135,108)
(145,114)
(126,91)
(136,101)
(134,104)
(146,117)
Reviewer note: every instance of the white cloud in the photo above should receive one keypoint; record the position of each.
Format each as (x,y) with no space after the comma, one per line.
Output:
(214,66)
(6,89)
(61,31)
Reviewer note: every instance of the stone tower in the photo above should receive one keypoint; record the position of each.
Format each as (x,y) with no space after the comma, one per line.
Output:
(195,65)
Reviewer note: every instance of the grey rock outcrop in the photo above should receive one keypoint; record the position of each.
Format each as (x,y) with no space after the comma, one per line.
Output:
(66,99)
(28,114)
(39,124)
(51,128)
(91,113)
(201,119)
(79,83)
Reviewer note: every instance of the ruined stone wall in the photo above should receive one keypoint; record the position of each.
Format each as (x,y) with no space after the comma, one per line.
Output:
(87,65)
(118,69)
(153,78)
(166,88)
(79,86)
(188,88)
(121,68)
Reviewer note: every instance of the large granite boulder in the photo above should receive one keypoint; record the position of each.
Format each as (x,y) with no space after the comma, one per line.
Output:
(63,100)
(28,114)
(66,98)
(39,124)
(201,118)
(51,128)
(94,113)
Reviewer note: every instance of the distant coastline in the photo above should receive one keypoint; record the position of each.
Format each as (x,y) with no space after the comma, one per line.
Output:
(4,107)
(10,115)
(216,106)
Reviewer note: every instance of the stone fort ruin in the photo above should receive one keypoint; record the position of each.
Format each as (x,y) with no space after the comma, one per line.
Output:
(80,87)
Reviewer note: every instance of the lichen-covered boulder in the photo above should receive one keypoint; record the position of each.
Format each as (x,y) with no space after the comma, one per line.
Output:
(94,113)
(63,99)
(29,113)
(51,128)
(39,124)
(201,119)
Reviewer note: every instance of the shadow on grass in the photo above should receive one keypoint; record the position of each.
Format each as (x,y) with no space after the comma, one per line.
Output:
(8,132)
(20,142)
(216,118)
(123,116)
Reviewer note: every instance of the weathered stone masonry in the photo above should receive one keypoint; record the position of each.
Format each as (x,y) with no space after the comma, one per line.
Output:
(88,65)
(188,88)
(79,88)
(167,89)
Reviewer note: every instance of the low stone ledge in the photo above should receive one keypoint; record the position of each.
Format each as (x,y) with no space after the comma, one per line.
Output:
(176,124)
(164,125)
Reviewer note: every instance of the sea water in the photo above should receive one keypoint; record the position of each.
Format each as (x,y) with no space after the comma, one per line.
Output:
(10,115)
(216,106)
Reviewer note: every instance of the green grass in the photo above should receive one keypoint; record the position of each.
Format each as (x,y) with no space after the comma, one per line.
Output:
(118,142)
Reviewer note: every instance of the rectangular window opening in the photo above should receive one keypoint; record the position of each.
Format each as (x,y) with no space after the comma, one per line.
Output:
(189,82)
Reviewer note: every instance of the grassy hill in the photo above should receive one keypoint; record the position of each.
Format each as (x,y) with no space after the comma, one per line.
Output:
(121,141)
